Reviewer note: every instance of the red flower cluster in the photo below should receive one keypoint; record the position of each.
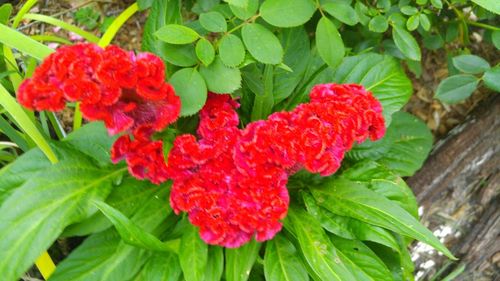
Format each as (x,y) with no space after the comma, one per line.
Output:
(127,92)
(232,182)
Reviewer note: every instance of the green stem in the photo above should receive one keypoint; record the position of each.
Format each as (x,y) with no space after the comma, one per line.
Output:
(483,25)
(252,19)
(26,7)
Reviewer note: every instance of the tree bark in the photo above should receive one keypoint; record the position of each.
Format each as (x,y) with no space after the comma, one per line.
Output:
(458,189)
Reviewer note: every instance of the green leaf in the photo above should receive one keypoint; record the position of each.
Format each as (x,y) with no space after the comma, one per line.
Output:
(130,232)
(144,4)
(231,50)
(239,261)
(495,38)
(411,143)
(437,4)
(456,88)
(317,249)
(193,254)
(490,5)
(262,43)
(160,267)
(244,13)
(382,75)
(238,3)
(220,78)
(348,228)
(205,51)
(364,261)
(329,42)
(104,256)
(5,12)
(23,43)
(378,24)
(350,199)
(491,78)
(406,43)
(413,22)
(213,21)
(341,11)
(176,34)
(287,13)
(424,22)
(281,261)
(184,55)
(263,104)
(190,87)
(127,197)
(87,17)
(215,263)
(40,208)
(296,44)
(409,10)
(470,64)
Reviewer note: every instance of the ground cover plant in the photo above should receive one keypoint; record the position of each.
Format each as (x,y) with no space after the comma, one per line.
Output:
(246,140)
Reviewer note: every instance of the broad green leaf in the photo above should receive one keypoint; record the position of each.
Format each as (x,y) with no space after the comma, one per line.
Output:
(471,64)
(385,182)
(354,200)
(127,197)
(490,5)
(297,55)
(215,263)
(231,50)
(366,264)
(342,11)
(393,261)
(329,42)
(220,78)
(93,140)
(176,34)
(437,4)
(433,42)
(193,255)
(317,249)
(381,75)
(104,256)
(239,261)
(244,13)
(130,232)
(205,51)
(144,4)
(36,212)
(411,142)
(262,43)
(287,13)
(378,24)
(180,55)
(281,262)
(406,43)
(491,78)
(263,104)
(456,88)
(348,228)
(213,21)
(361,11)
(160,267)
(190,87)
(413,22)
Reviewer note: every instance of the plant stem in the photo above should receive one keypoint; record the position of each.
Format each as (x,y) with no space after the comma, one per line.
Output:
(482,25)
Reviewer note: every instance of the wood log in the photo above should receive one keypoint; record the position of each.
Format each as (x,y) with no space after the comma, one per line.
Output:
(458,189)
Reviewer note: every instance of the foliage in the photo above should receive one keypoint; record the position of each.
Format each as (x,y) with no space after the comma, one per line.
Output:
(354,225)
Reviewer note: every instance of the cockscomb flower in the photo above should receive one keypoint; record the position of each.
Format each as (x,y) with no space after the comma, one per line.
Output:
(232,182)
(126,91)
(122,89)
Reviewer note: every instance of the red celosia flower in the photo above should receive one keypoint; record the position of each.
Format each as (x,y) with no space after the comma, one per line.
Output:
(118,87)
(232,182)
(144,157)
